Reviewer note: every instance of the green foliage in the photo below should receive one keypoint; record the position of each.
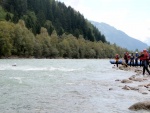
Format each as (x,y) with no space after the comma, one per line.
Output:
(17,7)
(2,14)
(30,20)
(16,39)
(5,46)
(6,32)
(49,26)
(52,15)
(23,40)
(64,48)
(44,39)
(49,29)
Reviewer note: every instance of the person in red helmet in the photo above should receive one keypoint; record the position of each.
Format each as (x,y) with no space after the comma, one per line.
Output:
(117,59)
(145,60)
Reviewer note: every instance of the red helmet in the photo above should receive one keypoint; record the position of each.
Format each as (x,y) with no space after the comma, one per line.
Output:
(144,50)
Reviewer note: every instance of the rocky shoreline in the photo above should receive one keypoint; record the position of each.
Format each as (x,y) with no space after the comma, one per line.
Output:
(137,82)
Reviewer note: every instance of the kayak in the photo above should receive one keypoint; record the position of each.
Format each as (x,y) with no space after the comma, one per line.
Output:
(113,61)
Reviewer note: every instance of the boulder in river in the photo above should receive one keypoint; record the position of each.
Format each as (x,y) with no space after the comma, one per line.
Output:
(140,106)
(126,81)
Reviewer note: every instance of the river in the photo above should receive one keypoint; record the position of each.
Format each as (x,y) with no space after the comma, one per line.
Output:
(64,86)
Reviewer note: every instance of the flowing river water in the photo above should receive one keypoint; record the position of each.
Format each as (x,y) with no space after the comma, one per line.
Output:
(64,86)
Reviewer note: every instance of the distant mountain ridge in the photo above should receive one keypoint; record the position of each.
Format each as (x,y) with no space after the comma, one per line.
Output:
(118,37)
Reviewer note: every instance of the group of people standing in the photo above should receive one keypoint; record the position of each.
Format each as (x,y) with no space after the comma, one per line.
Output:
(132,59)
(136,59)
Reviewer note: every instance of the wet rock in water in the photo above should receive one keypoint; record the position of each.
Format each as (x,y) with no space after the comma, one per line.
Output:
(138,70)
(148,89)
(117,80)
(143,91)
(132,78)
(110,88)
(126,81)
(140,85)
(134,88)
(138,79)
(126,87)
(123,68)
(130,88)
(145,79)
(140,105)
(146,86)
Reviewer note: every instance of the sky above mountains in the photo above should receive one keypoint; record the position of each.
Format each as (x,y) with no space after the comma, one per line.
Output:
(130,16)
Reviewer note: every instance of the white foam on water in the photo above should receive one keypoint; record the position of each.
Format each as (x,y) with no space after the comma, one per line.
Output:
(17,78)
(63,69)
(70,83)
(29,68)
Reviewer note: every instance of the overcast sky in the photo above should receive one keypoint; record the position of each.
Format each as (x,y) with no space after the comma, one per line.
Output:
(129,16)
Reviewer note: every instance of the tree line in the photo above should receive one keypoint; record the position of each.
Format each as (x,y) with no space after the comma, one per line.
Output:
(18,40)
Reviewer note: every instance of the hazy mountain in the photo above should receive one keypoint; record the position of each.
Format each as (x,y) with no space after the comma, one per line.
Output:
(119,37)
(147,41)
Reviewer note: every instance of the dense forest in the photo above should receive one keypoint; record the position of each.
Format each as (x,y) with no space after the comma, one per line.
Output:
(49,29)
(51,15)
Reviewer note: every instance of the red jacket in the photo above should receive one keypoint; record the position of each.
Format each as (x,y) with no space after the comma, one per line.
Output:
(146,56)
(117,56)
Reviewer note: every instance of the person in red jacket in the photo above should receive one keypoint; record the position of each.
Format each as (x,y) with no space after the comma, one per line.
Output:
(145,60)
(141,59)
(117,59)
(126,57)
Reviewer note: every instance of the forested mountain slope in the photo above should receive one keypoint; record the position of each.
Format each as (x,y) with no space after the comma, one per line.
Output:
(52,15)
(49,29)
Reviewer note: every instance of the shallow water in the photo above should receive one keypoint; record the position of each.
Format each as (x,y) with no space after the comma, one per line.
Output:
(64,86)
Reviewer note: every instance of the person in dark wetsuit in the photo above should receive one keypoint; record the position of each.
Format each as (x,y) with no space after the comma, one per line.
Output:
(145,60)
(136,58)
(117,59)
(132,60)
